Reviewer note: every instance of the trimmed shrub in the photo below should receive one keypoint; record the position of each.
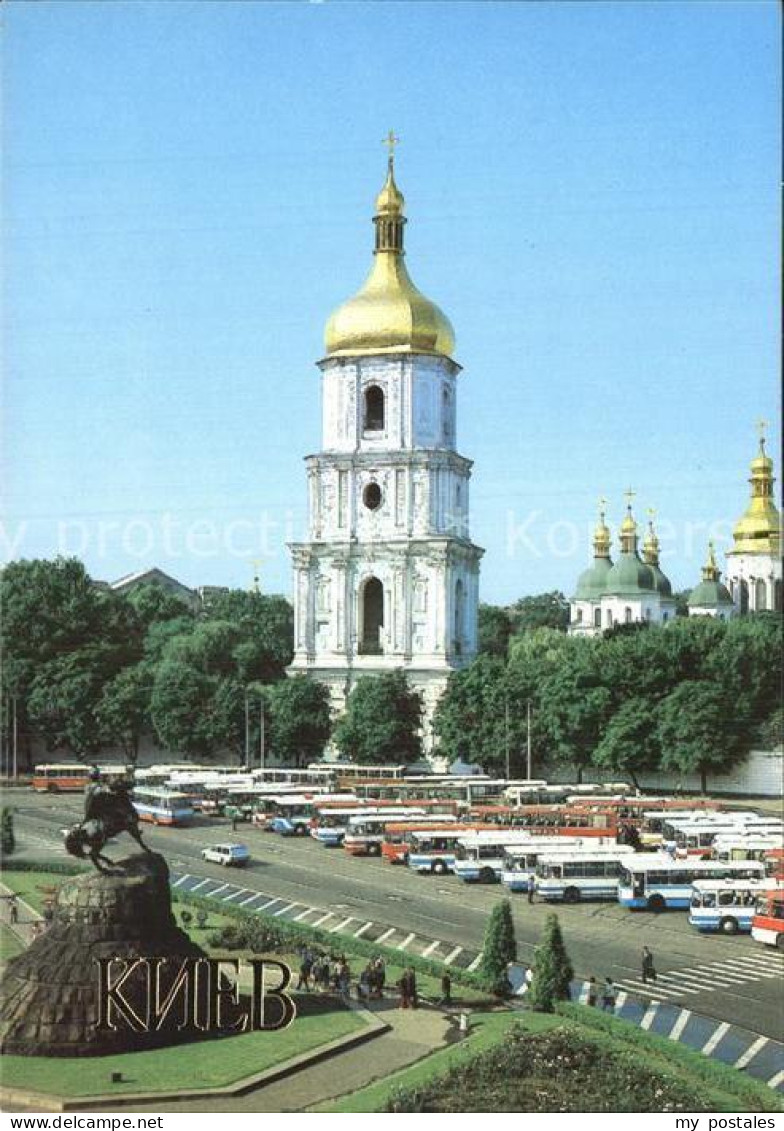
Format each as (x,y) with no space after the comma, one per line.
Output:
(552,970)
(500,948)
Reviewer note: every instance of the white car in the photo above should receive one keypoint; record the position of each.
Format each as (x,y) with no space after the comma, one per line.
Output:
(227,854)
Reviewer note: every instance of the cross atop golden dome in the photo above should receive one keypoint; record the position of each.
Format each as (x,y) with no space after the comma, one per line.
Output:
(759,530)
(388,314)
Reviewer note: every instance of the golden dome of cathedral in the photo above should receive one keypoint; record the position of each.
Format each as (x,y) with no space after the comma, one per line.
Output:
(758,531)
(389,314)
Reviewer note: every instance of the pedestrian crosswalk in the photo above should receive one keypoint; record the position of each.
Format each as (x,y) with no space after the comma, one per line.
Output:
(691,981)
(335,922)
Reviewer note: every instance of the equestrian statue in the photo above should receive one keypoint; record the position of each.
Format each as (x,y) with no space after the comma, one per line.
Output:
(108,811)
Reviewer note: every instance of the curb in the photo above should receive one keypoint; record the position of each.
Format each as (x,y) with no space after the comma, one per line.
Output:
(374,1027)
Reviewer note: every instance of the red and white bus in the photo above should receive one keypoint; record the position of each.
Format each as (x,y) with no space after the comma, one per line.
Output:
(365,833)
(767,926)
(397,841)
(548,820)
(72,777)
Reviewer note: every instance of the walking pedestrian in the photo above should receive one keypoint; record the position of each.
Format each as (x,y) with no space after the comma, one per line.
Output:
(648,968)
(446,988)
(381,975)
(531,887)
(13,908)
(305,968)
(593,991)
(608,995)
(404,985)
(412,982)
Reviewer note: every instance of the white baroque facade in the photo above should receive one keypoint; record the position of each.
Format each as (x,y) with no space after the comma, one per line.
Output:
(388,577)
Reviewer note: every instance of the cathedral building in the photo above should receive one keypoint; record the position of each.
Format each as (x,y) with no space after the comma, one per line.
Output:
(388,576)
(634,589)
(627,590)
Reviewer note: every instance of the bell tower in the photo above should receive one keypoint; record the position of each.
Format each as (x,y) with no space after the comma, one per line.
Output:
(388,577)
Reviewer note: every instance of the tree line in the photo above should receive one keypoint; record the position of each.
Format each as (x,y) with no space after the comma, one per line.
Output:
(690,696)
(88,668)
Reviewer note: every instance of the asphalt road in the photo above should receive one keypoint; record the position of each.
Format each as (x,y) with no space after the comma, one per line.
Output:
(731,979)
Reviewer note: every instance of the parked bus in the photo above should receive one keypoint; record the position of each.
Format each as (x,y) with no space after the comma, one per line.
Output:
(696,838)
(520,860)
(655,881)
(767,925)
(466,790)
(774,863)
(727,905)
(322,776)
(365,833)
(546,820)
(433,851)
(72,777)
(292,814)
(160,773)
(737,847)
(349,773)
(162,806)
(396,844)
(329,823)
(583,875)
(479,856)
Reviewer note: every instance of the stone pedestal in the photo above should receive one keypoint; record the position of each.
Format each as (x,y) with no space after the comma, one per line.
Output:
(49,993)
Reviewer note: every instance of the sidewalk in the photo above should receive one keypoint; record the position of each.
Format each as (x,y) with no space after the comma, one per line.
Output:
(28,917)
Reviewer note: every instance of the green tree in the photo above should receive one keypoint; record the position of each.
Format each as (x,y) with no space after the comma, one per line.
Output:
(630,740)
(299,719)
(7,838)
(181,708)
(545,610)
(575,706)
(552,970)
(123,711)
(499,949)
(469,719)
(696,729)
(64,695)
(155,605)
(382,721)
(494,631)
(266,632)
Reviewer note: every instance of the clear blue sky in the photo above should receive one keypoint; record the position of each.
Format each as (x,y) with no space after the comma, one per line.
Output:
(592,194)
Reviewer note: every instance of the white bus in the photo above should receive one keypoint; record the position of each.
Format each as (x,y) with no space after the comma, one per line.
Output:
(329,824)
(727,905)
(433,852)
(520,860)
(581,875)
(291,814)
(749,847)
(162,806)
(365,834)
(655,881)
(479,856)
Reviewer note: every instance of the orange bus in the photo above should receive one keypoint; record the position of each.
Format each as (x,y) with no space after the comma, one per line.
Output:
(396,844)
(71,777)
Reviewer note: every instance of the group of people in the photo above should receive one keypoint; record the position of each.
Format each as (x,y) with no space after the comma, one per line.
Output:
(325,971)
(372,980)
(608,994)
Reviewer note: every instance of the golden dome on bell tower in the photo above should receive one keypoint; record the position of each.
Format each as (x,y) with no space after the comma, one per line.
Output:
(388,314)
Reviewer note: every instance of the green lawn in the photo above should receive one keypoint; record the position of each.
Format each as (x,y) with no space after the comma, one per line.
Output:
(189,1068)
(487,1029)
(28,885)
(10,945)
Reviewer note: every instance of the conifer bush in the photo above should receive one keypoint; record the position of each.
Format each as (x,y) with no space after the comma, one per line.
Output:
(500,948)
(552,970)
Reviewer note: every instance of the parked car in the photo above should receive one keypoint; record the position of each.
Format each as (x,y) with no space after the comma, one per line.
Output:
(227,854)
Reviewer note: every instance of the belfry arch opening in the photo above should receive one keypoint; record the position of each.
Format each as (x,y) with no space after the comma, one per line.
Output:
(373,409)
(371,608)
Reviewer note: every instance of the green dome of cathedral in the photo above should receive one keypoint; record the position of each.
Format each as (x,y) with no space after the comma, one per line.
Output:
(591,583)
(629,576)
(709,595)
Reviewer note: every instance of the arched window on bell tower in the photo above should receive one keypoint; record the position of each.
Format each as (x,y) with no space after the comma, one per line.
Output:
(373,409)
(371,609)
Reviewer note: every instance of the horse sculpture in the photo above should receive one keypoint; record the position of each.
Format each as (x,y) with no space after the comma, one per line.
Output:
(107,813)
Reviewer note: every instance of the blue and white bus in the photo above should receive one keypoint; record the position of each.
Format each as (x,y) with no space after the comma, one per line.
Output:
(520,860)
(654,881)
(162,806)
(479,856)
(576,876)
(291,814)
(330,823)
(727,905)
